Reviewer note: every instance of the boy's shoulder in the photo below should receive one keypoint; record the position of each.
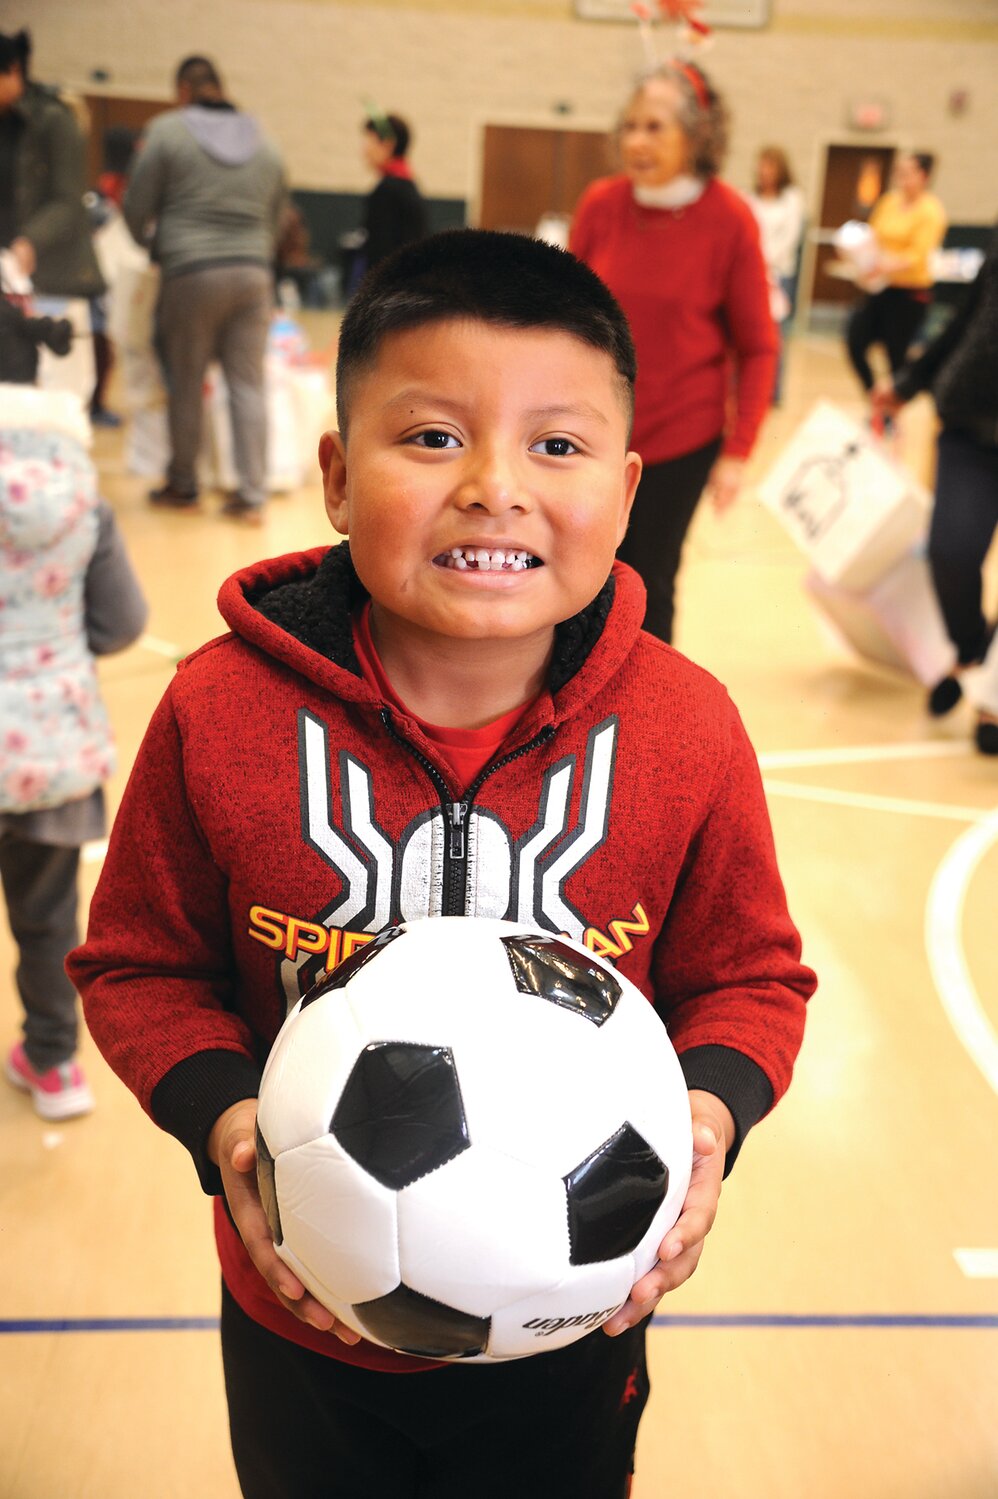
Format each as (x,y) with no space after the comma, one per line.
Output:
(671,696)
(667,671)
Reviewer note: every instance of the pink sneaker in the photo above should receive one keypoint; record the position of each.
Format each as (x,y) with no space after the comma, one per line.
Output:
(59,1093)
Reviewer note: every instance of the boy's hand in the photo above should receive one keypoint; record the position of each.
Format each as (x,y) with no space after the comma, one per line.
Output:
(680,1250)
(232,1146)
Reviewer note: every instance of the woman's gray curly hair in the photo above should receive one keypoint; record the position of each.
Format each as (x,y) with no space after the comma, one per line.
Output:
(703,115)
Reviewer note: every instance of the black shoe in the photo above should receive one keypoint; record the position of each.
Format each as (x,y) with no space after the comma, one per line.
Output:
(986,737)
(236,508)
(944,696)
(174,499)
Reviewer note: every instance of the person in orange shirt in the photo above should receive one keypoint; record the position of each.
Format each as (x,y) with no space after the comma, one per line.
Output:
(909,223)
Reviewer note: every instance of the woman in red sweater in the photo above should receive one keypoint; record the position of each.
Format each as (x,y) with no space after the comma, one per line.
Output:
(680,252)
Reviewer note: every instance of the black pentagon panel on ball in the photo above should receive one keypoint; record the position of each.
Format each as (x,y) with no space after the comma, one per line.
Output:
(266,1177)
(613,1197)
(417,1325)
(400,1115)
(350,967)
(552,970)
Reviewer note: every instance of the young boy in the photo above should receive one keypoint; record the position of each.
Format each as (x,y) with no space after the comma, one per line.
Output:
(455,713)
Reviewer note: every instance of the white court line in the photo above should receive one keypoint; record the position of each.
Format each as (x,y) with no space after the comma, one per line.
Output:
(863,754)
(978,1264)
(943,942)
(948,811)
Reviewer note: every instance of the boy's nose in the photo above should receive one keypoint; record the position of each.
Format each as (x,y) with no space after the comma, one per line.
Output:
(490,482)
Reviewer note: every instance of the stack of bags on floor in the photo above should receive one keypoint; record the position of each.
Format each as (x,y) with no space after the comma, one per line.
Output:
(861,519)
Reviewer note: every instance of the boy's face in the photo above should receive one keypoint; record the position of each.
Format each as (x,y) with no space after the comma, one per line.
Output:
(485,483)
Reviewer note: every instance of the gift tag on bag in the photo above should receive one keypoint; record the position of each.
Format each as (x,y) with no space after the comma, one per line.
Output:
(851,509)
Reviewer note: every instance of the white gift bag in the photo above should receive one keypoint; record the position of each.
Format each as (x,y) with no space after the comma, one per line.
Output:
(299,405)
(315,412)
(895,623)
(851,509)
(131,312)
(147,442)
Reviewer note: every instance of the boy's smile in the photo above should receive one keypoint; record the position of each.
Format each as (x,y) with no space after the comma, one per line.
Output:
(485,484)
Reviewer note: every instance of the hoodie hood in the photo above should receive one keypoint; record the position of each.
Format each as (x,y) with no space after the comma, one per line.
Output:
(298,609)
(47,481)
(227,135)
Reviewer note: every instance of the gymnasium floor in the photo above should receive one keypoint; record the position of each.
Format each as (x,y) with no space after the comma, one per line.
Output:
(840,1339)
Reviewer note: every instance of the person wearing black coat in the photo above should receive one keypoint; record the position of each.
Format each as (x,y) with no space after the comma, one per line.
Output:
(43,220)
(395,213)
(960,368)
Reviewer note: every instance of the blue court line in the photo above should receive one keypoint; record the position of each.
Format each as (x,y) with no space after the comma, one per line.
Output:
(809,1319)
(682,1320)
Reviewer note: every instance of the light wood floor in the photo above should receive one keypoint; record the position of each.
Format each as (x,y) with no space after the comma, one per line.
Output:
(831,1345)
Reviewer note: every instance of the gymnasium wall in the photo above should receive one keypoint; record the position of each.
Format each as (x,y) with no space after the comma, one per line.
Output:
(306,66)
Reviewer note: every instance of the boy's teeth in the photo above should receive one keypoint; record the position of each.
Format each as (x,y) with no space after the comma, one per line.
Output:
(486,559)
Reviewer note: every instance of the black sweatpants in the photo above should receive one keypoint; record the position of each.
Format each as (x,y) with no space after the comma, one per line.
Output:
(667,496)
(891,317)
(964,521)
(559,1425)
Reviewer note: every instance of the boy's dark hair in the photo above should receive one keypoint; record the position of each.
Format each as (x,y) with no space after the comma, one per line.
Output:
(483,276)
(15,51)
(198,73)
(391,128)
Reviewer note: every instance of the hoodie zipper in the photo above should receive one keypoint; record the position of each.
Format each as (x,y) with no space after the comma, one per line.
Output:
(456,813)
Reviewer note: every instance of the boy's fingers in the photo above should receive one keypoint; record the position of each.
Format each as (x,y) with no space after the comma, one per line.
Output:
(243,1156)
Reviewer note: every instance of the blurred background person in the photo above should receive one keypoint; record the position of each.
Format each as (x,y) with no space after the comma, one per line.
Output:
(960,368)
(394,212)
(206,194)
(908,223)
(67,594)
(104,208)
(778,205)
(680,251)
(43,220)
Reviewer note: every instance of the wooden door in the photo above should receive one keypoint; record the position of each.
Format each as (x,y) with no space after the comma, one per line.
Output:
(107,113)
(529,172)
(855,176)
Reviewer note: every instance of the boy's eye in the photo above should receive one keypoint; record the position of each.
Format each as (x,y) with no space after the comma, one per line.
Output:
(554,447)
(435,439)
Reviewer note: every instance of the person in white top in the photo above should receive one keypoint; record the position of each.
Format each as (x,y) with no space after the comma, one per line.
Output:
(778,205)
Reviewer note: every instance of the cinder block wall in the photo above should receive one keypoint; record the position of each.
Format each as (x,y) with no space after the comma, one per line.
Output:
(307,66)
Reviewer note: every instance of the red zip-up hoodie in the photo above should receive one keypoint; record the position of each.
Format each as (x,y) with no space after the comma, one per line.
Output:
(279,813)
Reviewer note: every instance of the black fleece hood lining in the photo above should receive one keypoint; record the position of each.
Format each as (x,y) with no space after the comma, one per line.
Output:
(317,611)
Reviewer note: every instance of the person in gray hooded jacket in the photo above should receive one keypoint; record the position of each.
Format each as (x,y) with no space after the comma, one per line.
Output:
(205,195)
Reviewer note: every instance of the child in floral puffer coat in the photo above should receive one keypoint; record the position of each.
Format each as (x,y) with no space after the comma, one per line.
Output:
(67,594)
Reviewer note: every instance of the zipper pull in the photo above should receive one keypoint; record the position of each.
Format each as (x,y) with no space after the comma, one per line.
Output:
(457,813)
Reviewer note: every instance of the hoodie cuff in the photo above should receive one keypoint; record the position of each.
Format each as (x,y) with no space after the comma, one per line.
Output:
(736,1080)
(191,1096)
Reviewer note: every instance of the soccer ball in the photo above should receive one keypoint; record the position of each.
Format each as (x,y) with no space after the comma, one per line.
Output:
(471,1140)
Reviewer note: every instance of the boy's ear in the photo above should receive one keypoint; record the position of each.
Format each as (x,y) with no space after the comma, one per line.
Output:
(632,473)
(333,462)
